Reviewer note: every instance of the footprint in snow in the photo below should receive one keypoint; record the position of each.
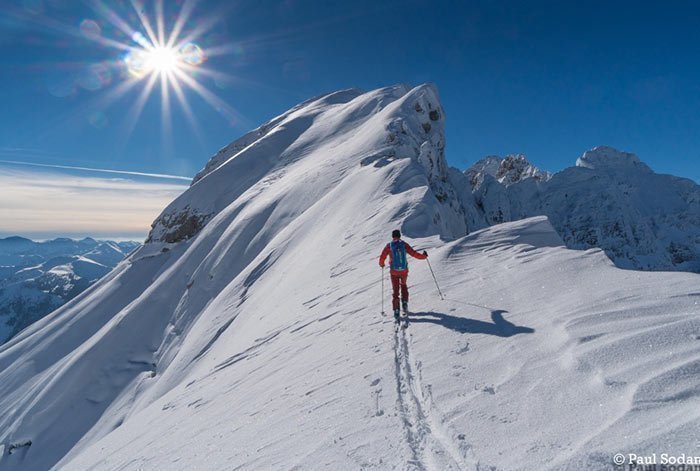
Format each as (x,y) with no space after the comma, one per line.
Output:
(464,349)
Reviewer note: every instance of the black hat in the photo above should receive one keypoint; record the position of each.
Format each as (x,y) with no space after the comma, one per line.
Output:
(396,234)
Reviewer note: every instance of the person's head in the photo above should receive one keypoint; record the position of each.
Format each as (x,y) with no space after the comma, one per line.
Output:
(396,234)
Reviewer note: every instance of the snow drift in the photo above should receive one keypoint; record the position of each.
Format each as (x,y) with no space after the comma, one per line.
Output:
(247,332)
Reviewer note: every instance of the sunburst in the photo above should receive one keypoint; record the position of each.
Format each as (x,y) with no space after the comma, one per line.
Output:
(160,58)
(167,55)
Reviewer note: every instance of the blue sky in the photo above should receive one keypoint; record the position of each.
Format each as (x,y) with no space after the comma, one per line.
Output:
(546,78)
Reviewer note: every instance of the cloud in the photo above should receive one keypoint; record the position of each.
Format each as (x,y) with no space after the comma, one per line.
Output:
(97,170)
(44,203)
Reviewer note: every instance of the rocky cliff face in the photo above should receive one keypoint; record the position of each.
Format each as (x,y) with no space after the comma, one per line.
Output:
(611,200)
(507,170)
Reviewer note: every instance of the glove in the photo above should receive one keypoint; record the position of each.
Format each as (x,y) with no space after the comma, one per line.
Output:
(425,253)
(381,265)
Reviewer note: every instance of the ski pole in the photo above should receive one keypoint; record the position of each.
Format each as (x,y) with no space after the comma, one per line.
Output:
(435,279)
(383,291)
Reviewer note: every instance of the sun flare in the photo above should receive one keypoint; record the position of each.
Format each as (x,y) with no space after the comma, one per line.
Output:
(158,48)
(158,60)
(162,59)
(148,58)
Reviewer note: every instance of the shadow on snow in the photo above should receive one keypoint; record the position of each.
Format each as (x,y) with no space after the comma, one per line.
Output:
(500,327)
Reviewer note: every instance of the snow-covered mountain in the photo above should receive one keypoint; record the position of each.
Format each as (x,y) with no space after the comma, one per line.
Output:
(507,171)
(247,332)
(38,277)
(610,200)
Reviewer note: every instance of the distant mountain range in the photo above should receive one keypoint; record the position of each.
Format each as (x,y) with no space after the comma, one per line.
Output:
(610,199)
(38,277)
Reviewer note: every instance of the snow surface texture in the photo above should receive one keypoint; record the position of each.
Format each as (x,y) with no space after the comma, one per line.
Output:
(38,277)
(256,341)
(610,200)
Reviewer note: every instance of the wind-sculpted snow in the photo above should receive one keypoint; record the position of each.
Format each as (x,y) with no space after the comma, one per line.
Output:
(342,128)
(256,342)
(610,200)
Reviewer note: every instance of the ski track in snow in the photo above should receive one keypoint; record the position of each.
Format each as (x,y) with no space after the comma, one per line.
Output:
(430,444)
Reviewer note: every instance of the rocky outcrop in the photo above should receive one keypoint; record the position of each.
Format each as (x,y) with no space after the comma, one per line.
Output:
(610,200)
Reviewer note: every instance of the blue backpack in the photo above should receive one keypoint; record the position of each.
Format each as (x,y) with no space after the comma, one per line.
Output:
(398,255)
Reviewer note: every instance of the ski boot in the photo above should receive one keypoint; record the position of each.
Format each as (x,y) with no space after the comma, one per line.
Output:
(397,315)
(404,307)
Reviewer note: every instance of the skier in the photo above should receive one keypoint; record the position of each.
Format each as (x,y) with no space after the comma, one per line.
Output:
(396,251)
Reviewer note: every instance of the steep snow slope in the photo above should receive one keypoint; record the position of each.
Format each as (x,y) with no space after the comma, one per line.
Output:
(256,340)
(610,200)
(539,357)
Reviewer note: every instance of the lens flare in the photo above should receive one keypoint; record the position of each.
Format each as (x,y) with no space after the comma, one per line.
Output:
(162,60)
(157,48)
(136,63)
(192,54)
(90,29)
(157,58)
(140,39)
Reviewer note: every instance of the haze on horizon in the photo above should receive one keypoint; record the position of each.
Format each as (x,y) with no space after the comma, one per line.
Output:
(48,203)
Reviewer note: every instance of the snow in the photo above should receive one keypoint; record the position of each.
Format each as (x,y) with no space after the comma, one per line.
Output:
(44,275)
(507,171)
(610,200)
(604,157)
(247,333)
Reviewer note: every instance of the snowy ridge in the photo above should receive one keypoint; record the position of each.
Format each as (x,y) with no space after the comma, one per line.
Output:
(256,341)
(303,131)
(250,138)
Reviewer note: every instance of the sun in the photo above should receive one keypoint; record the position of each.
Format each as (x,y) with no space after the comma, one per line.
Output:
(150,57)
(159,47)
(162,59)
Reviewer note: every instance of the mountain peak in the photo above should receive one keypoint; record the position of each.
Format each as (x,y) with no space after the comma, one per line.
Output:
(346,128)
(606,157)
(16,240)
(507,170)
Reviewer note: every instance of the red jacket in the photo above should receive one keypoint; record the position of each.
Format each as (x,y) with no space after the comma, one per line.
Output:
(409,250)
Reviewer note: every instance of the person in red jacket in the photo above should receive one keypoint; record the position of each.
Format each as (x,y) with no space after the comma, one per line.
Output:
(396,250)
